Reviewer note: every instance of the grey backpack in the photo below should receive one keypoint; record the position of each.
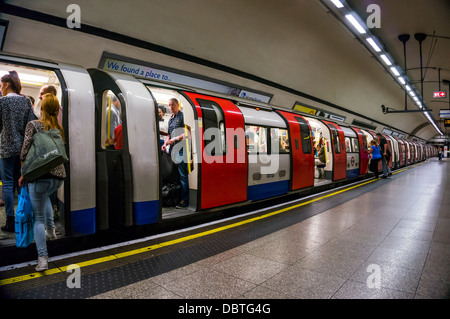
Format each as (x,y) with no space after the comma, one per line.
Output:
(46,152)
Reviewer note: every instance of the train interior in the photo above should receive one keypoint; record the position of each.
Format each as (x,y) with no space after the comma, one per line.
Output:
(323,164)
(168,187)
(33,79)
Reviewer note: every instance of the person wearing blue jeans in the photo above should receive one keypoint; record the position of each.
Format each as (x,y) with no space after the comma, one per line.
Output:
(15,112)
(10,175)
(41,188)
(40,191)
(176,133)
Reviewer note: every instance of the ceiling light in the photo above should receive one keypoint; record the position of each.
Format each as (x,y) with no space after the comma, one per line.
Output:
(407,88)
(337,3)
(385,59)
(373,44)
(402,80)
(395,71)
(32,79)
(355,23)
(412,93)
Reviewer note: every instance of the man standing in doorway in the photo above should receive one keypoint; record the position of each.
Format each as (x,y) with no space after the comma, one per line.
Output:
(176,135)
(383,149)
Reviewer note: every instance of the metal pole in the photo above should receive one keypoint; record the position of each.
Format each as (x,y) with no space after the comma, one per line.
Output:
(404,38)
(420,37)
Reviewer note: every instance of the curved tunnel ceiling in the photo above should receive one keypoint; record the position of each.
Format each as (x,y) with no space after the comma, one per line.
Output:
(297,44)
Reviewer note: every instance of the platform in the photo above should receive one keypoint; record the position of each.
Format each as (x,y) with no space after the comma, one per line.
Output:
(385,238)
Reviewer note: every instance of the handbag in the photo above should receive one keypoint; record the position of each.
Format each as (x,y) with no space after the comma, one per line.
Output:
(24,220)
(46,152)
(169,170)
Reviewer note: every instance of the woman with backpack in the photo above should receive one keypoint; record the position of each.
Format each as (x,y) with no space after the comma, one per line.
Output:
(42,187)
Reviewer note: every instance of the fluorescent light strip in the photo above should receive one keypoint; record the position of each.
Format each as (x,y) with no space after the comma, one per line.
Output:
(395,71)
(373,44)
(355,23)
(337,3)
(407,88)
(402,80)
(385,59)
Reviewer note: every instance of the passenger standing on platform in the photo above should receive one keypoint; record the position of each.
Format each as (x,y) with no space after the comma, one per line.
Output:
(383,149)
(376,156)
(41,188)
(15,111)
(176,127)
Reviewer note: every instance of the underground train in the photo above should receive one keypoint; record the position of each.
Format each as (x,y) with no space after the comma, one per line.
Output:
(238,151)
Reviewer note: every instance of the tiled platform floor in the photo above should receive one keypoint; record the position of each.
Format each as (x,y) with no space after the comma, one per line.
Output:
(401,228)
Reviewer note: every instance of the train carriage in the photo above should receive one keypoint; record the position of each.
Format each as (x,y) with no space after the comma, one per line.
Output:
(352,152)
(237,152)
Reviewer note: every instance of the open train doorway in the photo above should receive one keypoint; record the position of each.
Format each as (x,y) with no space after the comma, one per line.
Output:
(36,80)
(171,179)
(323,160)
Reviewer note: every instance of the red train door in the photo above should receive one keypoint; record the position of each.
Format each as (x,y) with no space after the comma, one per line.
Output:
(339,153)
(363,154)
(390,147)
(223,176)
(302,155)
(400,152)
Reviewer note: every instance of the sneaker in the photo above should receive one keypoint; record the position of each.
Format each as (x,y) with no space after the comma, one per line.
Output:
(182,204)
(42,263)
(51,233)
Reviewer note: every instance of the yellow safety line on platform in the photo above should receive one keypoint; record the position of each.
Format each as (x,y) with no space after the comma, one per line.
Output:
(180,240)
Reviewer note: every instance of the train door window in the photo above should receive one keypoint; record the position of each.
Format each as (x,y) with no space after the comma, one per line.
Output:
(364,139)
(305,135)
(213,128)
(336,141)
(111,131)
(348,146)
(256,139)
(279,141)
(355,145)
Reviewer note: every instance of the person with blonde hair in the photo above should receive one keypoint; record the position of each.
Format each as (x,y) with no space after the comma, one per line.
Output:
(41,188)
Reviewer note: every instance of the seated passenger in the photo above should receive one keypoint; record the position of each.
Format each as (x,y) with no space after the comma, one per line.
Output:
(250,139)
(320,159)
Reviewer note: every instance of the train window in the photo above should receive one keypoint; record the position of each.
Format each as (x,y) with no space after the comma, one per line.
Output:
(336,140)
(111,121)
(355,145)
(279,141)
(213,128)
(348,147)
(305,135)
(364,138)
(256,139)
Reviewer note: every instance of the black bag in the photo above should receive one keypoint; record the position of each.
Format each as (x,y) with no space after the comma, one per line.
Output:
(171,194)
(388,155)
(169,170)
